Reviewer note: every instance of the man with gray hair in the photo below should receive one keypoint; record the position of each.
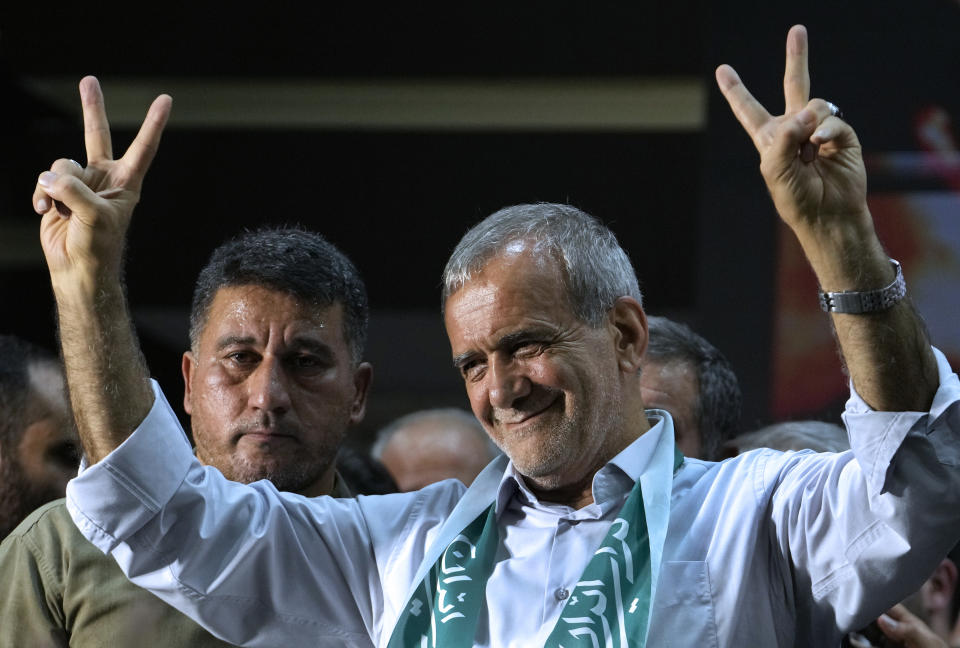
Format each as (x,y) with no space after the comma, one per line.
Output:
(689,377)
(593,529)
(424,447)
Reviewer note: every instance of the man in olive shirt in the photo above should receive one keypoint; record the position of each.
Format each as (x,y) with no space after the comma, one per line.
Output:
(272,381)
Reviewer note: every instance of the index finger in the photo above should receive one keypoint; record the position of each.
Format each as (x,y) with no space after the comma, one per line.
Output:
(796,74)
(748,111)
(96,129)
(144,146)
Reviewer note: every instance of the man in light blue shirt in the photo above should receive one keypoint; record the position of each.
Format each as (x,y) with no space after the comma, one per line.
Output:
(592,529)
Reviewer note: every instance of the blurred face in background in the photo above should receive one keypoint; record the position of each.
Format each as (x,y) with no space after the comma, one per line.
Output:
(35,468)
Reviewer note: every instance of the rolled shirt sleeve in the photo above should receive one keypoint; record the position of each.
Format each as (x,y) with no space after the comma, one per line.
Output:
(876,437)
(864,528)
(160,443)
(253,565)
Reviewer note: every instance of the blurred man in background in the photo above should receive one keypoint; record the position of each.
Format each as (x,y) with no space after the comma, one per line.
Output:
(688,377)
(428,446)
(39,449)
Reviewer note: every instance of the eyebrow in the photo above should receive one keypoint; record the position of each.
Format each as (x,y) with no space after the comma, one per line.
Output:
(234,340)
(311,345)
(298,343)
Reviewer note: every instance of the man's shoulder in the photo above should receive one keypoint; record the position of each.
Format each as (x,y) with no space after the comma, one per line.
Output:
(49,538)
(50,520)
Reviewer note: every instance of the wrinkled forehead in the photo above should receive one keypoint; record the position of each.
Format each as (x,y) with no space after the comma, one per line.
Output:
(514,291)
(251,306)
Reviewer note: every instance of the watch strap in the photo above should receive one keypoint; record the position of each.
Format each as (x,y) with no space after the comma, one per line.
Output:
(866,301)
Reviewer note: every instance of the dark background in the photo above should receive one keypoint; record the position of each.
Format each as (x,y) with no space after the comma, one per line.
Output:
(689,206)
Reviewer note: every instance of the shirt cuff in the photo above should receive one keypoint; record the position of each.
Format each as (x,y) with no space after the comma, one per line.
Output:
(112,499)
(875,437)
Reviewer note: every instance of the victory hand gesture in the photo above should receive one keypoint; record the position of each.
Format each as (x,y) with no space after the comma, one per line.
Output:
(86,210)
(809,157)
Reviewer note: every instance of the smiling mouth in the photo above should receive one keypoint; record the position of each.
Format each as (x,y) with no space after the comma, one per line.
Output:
(523,417)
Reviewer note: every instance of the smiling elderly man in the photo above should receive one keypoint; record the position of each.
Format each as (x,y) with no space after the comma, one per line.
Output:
(593,530)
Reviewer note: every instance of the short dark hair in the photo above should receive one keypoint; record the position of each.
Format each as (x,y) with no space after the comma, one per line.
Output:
(290,260)
(16,358)
(719,398)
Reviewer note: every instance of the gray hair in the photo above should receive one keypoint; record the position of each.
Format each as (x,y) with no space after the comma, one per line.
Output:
(454,415)
(597,271)
(818,436)
(719,399)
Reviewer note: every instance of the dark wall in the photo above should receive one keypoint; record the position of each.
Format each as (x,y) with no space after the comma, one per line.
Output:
(689,207)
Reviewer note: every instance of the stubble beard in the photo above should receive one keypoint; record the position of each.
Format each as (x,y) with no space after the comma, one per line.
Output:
(294,471)
(549,466)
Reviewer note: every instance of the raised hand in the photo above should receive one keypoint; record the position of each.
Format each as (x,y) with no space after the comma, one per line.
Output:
(809,158)
(813,167)
(86,210)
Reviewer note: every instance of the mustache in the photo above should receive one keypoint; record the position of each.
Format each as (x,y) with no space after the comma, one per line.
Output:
(268,425)
(528,407)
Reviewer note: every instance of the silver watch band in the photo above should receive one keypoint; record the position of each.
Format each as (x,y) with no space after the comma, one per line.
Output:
(867,301)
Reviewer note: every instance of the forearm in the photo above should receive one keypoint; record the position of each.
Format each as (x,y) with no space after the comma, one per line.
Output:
(887,353)
(107,377)
(86,212)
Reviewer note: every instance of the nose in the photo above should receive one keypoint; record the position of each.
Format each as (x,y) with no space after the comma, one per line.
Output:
(507,383)
(267,388)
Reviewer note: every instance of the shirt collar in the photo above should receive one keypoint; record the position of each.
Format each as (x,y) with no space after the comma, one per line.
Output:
(632,462)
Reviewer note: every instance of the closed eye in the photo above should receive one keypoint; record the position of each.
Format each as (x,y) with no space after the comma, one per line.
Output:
(529,349)
(472,369)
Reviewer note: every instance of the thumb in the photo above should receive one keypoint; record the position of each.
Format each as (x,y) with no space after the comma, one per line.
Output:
(71,195)
(908,629)
(794,135)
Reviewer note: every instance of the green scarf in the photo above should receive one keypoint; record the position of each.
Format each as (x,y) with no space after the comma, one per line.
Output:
(610,605)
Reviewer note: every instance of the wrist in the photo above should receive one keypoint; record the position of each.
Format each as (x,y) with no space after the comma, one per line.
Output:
(86,286)
(846,255)
(867,301)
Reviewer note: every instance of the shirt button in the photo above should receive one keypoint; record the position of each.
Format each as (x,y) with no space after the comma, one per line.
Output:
(561,594)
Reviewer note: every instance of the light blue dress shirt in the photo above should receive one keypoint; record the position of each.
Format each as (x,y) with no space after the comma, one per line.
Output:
(767,549)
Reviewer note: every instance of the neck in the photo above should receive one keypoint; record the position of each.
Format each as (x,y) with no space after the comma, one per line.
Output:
(575,495)
(323,485)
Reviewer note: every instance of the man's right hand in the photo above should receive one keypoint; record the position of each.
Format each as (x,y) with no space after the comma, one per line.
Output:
(86,210)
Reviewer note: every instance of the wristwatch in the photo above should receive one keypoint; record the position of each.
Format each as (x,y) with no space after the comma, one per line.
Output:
(868,301)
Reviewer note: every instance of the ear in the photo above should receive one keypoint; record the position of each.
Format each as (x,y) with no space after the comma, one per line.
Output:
(187,366)
(362,379)
(939,588)
(629,325)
